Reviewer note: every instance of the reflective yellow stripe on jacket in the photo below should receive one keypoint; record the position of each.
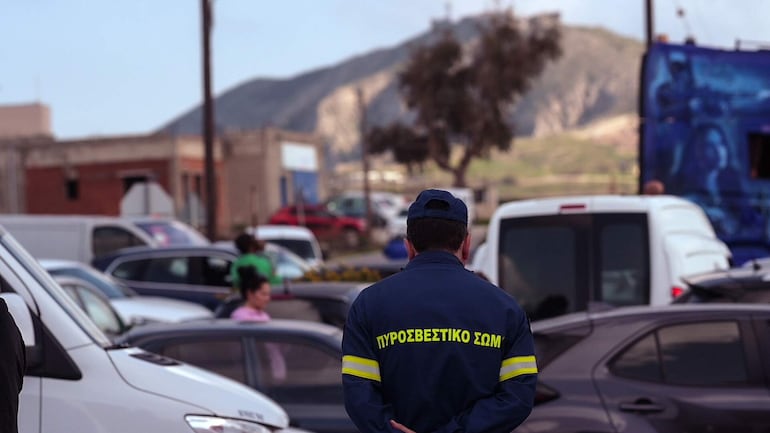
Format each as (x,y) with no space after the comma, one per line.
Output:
(361,367)
(517,366)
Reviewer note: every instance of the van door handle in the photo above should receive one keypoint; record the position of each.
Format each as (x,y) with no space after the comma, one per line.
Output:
(641,405)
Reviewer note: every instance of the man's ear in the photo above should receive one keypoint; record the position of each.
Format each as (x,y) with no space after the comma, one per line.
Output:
(465,249)
(410,251)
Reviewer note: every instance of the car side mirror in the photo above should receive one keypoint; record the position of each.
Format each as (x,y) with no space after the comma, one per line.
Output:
(23,318)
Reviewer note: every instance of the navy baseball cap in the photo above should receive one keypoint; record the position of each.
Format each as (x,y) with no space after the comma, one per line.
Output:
(437,203)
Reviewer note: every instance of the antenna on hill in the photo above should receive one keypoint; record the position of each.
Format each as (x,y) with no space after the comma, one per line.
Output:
(448,10)
(680,12)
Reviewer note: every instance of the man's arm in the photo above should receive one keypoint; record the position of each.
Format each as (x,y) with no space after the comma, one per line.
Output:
(361,379)
(514,396)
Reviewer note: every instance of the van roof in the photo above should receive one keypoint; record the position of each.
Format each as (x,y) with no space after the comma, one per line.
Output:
(591,204)
(282,231)
(54,217)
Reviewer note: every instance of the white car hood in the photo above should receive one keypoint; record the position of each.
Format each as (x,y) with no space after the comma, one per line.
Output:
(157,309)
(210,392)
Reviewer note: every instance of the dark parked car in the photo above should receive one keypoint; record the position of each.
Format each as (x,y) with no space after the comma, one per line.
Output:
(202,274)
(327,226)
(296,363)
(675,368)
(746,284)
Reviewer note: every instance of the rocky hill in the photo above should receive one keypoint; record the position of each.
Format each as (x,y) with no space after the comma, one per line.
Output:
(595,78)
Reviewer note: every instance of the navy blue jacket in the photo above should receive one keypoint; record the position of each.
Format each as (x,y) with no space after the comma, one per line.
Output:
(438,349)
(12,366)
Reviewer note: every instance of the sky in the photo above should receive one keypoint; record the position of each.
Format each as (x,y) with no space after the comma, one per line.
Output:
(129,66)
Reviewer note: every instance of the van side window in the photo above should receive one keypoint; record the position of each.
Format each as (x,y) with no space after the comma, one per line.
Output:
(107,239)
(623,257)
(543,263)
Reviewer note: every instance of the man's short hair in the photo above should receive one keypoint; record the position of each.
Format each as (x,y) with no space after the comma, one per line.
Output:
(436,234)
(437,220)
(244,242)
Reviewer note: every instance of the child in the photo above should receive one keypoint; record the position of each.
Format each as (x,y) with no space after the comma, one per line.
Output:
(255,292)
(252,254)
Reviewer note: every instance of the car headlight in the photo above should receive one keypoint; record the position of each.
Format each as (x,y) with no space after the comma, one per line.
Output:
(215,424)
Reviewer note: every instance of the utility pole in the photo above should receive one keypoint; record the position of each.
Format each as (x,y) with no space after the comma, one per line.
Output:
(208,124)
(649,22)
(364,159)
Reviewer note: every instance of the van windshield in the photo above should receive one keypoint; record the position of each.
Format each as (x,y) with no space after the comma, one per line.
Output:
(57,293)
(555,264)
(168,233)
(299,247)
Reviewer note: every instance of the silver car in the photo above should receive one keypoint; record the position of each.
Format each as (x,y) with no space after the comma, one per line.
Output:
(132,308)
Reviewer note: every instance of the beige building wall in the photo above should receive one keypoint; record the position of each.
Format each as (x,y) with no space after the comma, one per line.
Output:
(253,166)
(25,120)
(249,167)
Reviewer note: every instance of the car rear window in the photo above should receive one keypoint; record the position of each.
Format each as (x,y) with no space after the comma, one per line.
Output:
(555,264)
(549,345)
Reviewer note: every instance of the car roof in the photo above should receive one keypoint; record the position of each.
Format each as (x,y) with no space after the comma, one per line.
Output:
(104,261)
(744,277)
(228,325)
(590,203)
(282,231)
(54,264)
(645,311)
(343,290)
(172,249)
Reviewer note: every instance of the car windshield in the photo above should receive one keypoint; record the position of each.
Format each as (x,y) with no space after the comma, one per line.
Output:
(172,233)
(288,263)
(302,248)
(110,287)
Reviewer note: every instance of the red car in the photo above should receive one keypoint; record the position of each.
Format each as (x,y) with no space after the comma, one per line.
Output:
(327,226)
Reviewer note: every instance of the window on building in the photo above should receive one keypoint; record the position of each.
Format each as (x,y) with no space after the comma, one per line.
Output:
(129,181)
(72,188)
(759,155)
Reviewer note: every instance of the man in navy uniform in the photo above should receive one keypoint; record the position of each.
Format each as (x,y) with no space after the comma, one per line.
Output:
(435,348)
(12,365)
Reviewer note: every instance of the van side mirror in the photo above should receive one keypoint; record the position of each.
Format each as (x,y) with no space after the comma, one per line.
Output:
(23,318)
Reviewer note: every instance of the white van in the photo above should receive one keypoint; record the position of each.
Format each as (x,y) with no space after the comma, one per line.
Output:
(561,254)
(74,237)
(77,381)
(297,239)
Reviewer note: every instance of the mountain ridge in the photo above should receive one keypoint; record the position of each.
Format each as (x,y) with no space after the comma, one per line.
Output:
(596,77)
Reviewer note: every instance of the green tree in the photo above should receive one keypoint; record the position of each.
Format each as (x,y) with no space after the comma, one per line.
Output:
(463,97)
(408,147)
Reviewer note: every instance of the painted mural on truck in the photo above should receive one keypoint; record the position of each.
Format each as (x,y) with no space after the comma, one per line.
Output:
(705,133)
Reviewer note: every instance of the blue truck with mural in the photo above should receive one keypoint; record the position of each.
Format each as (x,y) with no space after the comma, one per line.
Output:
(705,133)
